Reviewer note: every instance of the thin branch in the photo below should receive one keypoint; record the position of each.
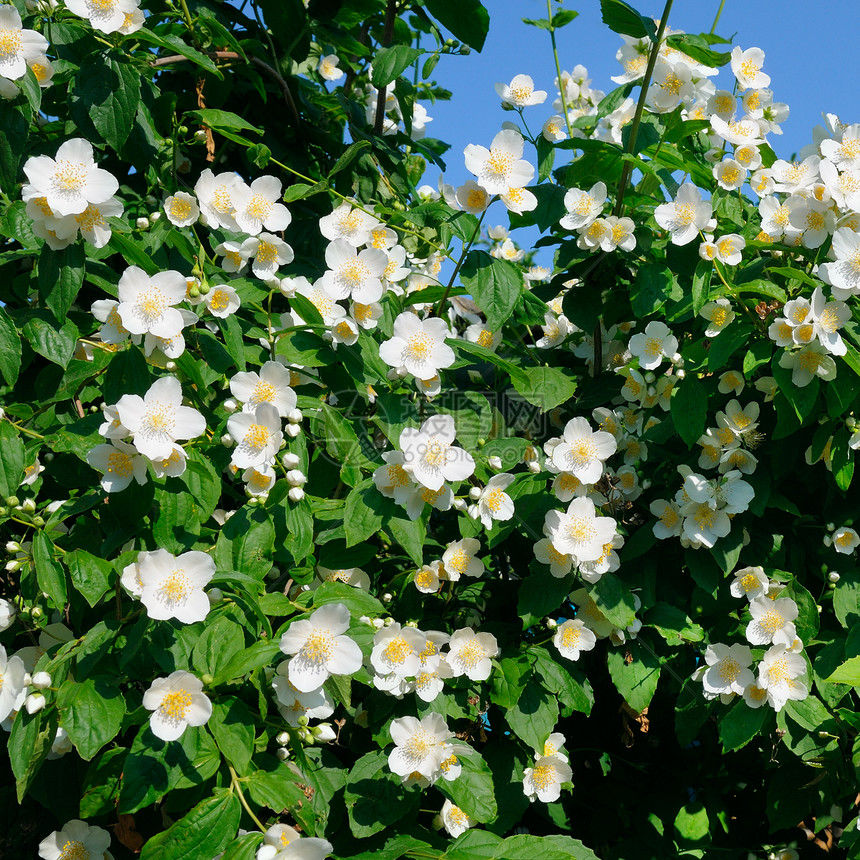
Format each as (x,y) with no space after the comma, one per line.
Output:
(388,33)
(232,55)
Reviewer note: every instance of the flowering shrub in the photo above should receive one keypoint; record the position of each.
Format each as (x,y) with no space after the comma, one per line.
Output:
(337,525)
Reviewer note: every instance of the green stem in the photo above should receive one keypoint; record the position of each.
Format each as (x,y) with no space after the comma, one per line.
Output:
(558,68)
(640,107)
(466,247)
(717,19)
(234,783)
(27,431)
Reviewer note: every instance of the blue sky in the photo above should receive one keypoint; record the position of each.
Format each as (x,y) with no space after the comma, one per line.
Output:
(809,49)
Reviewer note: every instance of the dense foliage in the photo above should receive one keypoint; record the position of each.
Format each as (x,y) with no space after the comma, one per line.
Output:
(337,526)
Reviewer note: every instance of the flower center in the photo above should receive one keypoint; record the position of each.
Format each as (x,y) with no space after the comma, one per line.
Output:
(219,300)
(418,347)
(471,653)
(120,464)
(397,650)
(729,669)
(10,43)
(495,499)
(257,436)
(174,706)
(318,647)
(89,218)
(180,209)
(543,776)
(69,176)
(177,586)
(353,274)
(499,163)
(580,530)
(159,419)
(259,207)
(74,851)
(151,303)
(569,639)
(435,453)
(418,747)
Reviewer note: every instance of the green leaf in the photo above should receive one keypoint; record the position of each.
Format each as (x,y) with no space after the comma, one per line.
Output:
(218,644)
(808,618)
(61,275)
(692,823)
(673,624)
(28,745)
(133,253)
(375,798)
(534,716)
(91,576)
(847,673)
(356,600)
(494,284)
(363,512)
(728,342)
(232,726)
(231,331)
(221,120)
(203,832)
(105,94)
(50,339)
(468,20)
(622,18)
(15,123)
(545,387)
(11,460)
(473,789)
(245,661)
(507,682)
(390,63)
(614,600)
(697,47)
(10,345)
(175,44)
(49,573)
(564,679)
(349,155)
(410,534)
(540,594)
(689,407)
(653,285)
(299,191)
(740,725)
(636,681)
(91,712)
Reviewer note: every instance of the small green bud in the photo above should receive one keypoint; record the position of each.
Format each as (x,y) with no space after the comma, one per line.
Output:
(38,522)
(13,501)
(203,289)
(207,679)
(183,129)
(194,293)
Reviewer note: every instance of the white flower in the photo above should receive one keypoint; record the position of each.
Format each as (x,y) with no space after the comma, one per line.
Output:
(259,479)
(258,435)
(728,669)
(319,648)
(472,197)
(268,252)
(459,559)
(428,577)
(7,614)
(719,314)
(120,463)
(257,207)
(519,200)
(181,209)
(583,206)
(494,503)
(282,842)
(176,701)
(222,301)
(352,274)
(76,841)
(501,166)
(293,703)
(582,451)
(618,233)
(172,586)
(579,532)
(421,746)
(146,302)
(560,564)
(779,674)
(730,174)
(418,345)
(844,273)
(470,654)
(17,46)
(107,16)
(747,65)
(156,420)
(670,522)
(91,223)
(552,129)
(521,92)
(807,363)
(749,582)
(544,780)
(270,385)
(686,216)
(772,621)
(13,684)
(572,637)
(845,540)
(429,455)
(396,650)
(328,68)
(235,257)
(215,198)
(454,820)
(71,181)
(354,226)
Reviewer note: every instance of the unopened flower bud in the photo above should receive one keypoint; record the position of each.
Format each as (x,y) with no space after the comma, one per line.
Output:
(387,597)
(12,501)
(282,753)
(650,377)
(283,738)
(230,405)
(28,506)
(215,595)
(495,463)
(227,440)
(551,623)
(34,702)
(680,373)
(40,680)
(296,494)
(302,721)
(142,223)
(294,416)
(534,466)
(378,623)
(13,546)
(475,493)
(473,512)
(833,576)
(293,430)
(12,566)
(831,527)
(200,135)
(324,733)
(296,478)
(290,461)
(459,504)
